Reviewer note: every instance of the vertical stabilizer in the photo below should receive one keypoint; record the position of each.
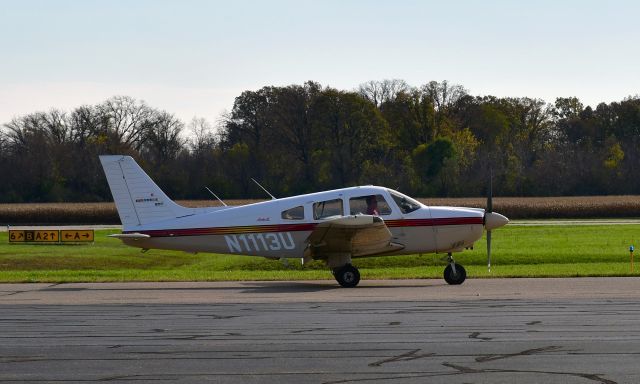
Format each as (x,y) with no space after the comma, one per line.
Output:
(138,199)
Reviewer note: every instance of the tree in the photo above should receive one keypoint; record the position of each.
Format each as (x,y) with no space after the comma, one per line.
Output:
(435,140)
(430,159)
(349,131)
(294,114)
(202,137)
(380,92)
(412,116)
(125,118)
(161,141)
(444,97)
(250,122)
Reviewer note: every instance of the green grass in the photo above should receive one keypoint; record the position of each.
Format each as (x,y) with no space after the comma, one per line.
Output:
(518,251)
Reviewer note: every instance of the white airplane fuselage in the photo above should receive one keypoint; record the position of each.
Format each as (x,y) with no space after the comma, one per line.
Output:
(260,230)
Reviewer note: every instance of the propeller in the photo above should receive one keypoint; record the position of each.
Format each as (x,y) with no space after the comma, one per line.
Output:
(492,220)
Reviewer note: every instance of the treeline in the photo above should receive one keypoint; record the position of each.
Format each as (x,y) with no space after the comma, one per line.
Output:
(432,140)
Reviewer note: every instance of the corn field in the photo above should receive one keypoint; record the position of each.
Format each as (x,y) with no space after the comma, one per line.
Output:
(512,207)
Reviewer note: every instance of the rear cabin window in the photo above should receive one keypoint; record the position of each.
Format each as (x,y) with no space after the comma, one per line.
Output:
(369,205)
(295,213)
(324,209)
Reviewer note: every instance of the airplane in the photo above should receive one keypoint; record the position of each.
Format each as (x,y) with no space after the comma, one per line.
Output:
(334,226)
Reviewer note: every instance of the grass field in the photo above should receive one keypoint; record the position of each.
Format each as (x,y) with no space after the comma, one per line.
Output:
(518,251)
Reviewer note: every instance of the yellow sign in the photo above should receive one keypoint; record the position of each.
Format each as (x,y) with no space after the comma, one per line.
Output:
(16,236)
(51,236)
(76,236)
(41,236)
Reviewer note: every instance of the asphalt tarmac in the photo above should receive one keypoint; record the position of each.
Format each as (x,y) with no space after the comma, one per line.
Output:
(408,331)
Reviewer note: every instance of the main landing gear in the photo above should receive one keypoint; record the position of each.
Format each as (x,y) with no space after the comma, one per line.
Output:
(348,276)
(454,273)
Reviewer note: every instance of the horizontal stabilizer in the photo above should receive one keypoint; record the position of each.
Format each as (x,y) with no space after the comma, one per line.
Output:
(130,236)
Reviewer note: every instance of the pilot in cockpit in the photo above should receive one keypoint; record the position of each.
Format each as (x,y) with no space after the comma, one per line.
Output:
(372,205)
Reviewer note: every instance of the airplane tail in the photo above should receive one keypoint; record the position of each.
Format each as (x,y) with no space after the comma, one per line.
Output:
(138,199)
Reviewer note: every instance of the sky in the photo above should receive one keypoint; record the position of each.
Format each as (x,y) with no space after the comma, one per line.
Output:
(192,58)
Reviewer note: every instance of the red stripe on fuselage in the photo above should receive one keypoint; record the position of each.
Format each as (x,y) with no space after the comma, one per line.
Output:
(303,227)
(434,222)
(229,230)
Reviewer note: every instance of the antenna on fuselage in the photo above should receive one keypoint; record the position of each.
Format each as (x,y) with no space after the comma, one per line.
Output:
(264,189)
(216,196)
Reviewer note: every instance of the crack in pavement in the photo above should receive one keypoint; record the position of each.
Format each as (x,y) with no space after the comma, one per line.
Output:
(407,356)
(534,351)
(308,330)
(20,359)
(597,377)
(463,370)
(475,335)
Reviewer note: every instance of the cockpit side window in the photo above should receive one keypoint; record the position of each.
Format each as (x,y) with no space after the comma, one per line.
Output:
(405,203)
(328,208)
(369,205)
(295,213)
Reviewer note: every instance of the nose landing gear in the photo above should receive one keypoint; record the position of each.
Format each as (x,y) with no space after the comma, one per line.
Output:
(454,273)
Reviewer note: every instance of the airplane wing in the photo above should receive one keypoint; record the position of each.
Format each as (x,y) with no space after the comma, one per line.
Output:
(360,235)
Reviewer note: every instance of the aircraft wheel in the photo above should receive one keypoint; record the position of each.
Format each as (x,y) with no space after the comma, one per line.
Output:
(347,276)
(457,278)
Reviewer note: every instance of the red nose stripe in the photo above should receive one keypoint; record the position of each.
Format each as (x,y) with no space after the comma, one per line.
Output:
(434,222)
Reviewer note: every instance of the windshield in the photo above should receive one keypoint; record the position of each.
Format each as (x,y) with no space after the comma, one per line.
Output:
(405,203)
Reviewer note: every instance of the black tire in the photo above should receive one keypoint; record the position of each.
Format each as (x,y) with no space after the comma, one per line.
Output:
(347,276)
(458,278)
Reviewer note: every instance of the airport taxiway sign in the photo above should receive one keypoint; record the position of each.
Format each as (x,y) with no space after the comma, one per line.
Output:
(76,236)
(34,236)
(16,236)
(51,236)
